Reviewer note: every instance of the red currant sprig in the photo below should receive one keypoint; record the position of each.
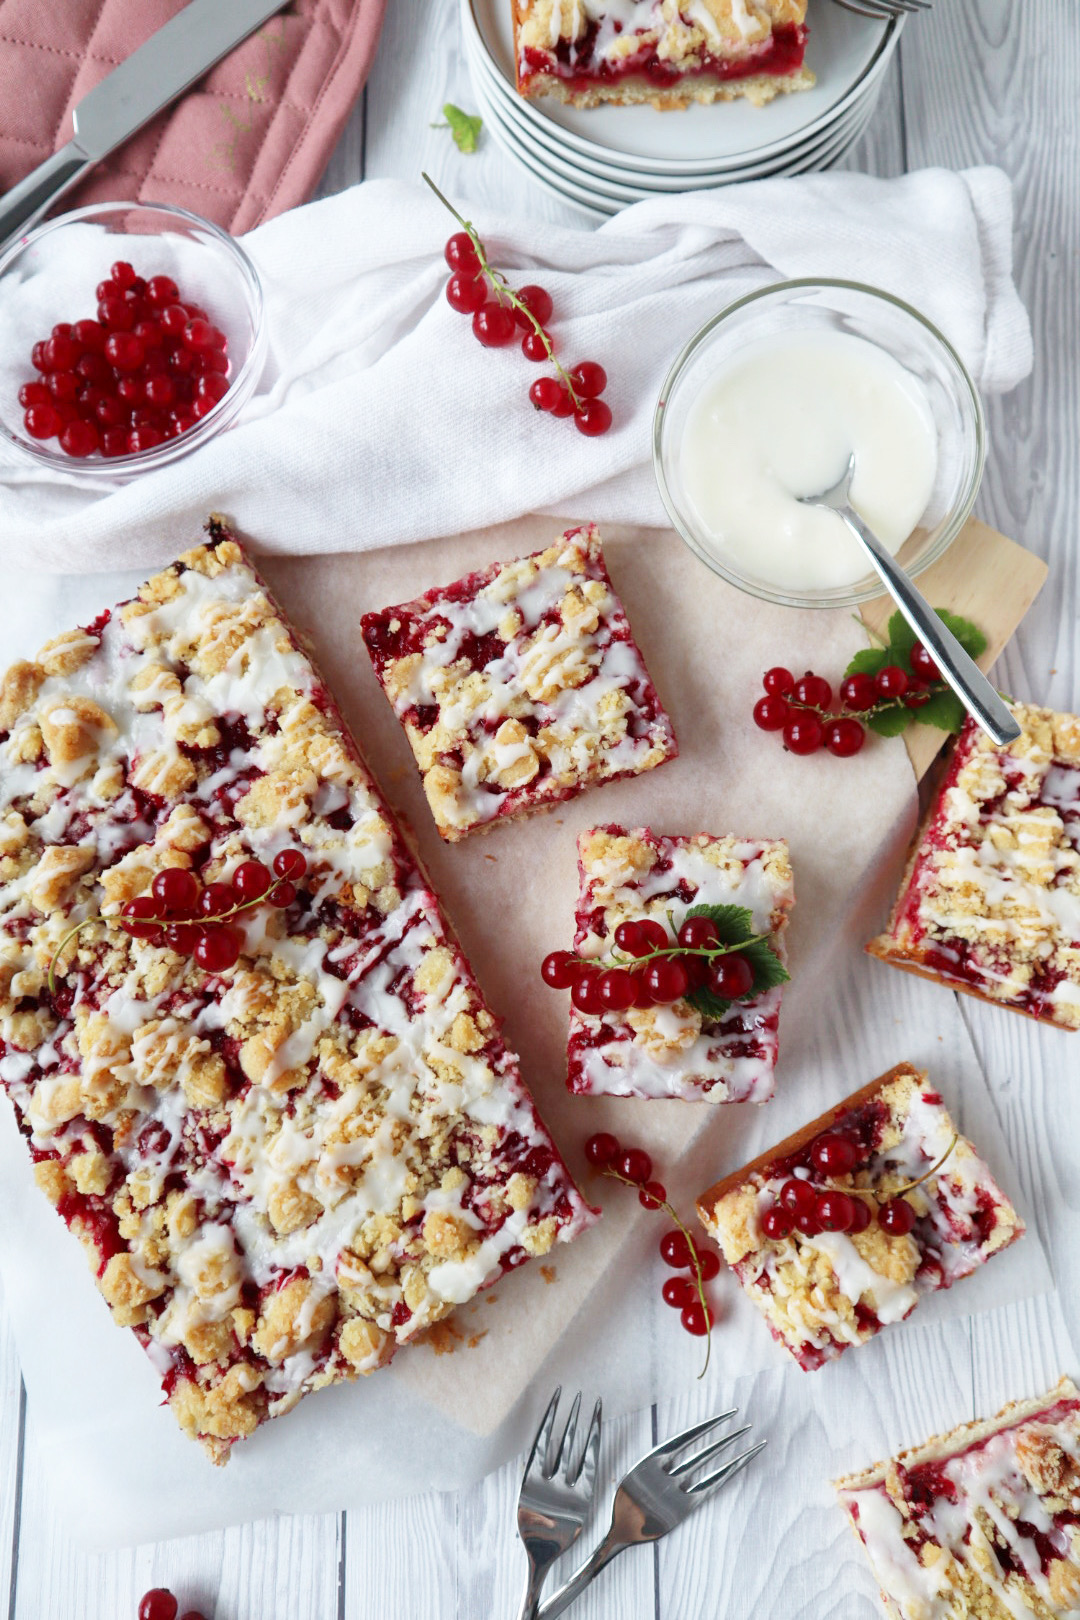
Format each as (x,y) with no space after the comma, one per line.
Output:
(654,972)
(194,920)
(811,1208)
(802,709)
(633,1167)
(497,321)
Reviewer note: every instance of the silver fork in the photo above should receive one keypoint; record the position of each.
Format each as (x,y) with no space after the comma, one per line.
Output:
(656,1495)
(882,10)
(555,1495)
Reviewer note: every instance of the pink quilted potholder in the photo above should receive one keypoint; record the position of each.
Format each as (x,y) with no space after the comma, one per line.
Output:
(247,141)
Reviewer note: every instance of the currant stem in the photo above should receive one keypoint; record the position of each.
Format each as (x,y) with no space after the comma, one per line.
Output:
(503,290)
(699,1281)
(909,1186)
(59,951)
(709,951)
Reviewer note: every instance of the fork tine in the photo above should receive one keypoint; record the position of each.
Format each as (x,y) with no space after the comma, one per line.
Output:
(668,1448)
(713,1481)
(543,1433)
(567,1442)
(585,1473)
(710,1451)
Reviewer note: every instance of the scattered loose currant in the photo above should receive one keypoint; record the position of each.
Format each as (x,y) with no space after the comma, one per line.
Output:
(500,313)
(144,371)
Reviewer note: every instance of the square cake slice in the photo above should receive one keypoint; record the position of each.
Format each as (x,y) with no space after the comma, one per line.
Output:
(292,1138)
(626,51)
(840,1229)
(727,1054)
(519,686)
(982,1523)
(990,902)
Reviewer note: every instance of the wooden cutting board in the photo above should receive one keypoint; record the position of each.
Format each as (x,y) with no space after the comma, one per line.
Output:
(986,578)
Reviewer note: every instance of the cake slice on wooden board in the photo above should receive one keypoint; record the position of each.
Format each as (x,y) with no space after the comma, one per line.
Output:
(982,1523)
(839,1230)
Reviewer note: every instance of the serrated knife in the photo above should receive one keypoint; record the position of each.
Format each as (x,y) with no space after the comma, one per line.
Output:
(178,54)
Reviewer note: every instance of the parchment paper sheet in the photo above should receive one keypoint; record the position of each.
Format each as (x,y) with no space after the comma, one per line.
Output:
(121,1472)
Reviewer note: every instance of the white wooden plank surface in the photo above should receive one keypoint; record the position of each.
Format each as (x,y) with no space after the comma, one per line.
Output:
(977,81)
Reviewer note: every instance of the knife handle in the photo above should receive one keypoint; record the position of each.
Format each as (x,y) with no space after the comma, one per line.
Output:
(25,203)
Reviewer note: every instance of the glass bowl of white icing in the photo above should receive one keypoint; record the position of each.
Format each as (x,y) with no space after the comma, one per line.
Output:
(767,402)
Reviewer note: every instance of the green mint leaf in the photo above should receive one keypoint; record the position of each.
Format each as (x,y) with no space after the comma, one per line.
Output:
(733,923)
(901,640)
(868,661)
(464,127)
(769,971)
(890,722)
(943,710)
(710,1006)
(967,634)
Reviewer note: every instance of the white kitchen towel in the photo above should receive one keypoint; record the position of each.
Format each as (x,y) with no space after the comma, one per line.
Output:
(380,420)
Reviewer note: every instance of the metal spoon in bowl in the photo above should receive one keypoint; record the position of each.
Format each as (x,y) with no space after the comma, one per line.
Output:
(957,668)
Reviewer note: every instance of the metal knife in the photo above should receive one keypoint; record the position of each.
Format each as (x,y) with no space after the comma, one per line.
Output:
(179,53)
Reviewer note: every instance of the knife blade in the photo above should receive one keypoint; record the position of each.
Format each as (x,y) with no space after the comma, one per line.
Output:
(152,76)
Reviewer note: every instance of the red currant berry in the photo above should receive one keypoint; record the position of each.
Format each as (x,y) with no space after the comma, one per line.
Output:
(116,314)
(666,980)
(617,990)
(896,1217)
(630,938)
(697,1319)
(94,368)
(558,970)
(585,994)
(199,334)
(218,949)
(460,253)
(182,939)
(114,442)
(652,1195)
(61,352)
(176,890)
(708,1264)
(34,393)
(216,899)
(38,357)
(593,418)
(813,690)
(538,301)
(844,737)
(211,388)
(589,380)
(124,351)
(923,665)
(466,293)
(635,1164)
(282,894)
(124,275)
(601,1149)
(546,393)
(778,681)
(835,1211)
(804,734)
(140,918)
(533,346)
(731,977)
(493,326)
(290,863)
(565,405)
(698,933)
(675,1250)
(678,1292)
(42,421)
(654,933)
(806,1222)
(91,334)
(798,1197)
(834,1154)
(891,682)
(144,438)
(916,696)
(172,320)
(160,1603)
(161,290)
(160,389)
(131,390)
(776,1223)
(861,1217)
(79,438)
(771,713)
(251,880)
(63,385)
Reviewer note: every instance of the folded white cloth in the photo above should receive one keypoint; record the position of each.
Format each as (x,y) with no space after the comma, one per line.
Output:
(381,421)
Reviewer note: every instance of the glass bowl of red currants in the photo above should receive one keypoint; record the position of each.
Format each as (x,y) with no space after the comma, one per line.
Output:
(130,334)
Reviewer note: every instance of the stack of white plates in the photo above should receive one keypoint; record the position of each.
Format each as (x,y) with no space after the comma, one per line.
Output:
(603,158)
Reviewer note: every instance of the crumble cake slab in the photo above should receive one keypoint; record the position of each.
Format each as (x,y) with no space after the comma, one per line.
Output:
(990,900)
(822,1290)
(519,685)
(592,52)
(676,1051)
(982,1523)
(283,1170)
